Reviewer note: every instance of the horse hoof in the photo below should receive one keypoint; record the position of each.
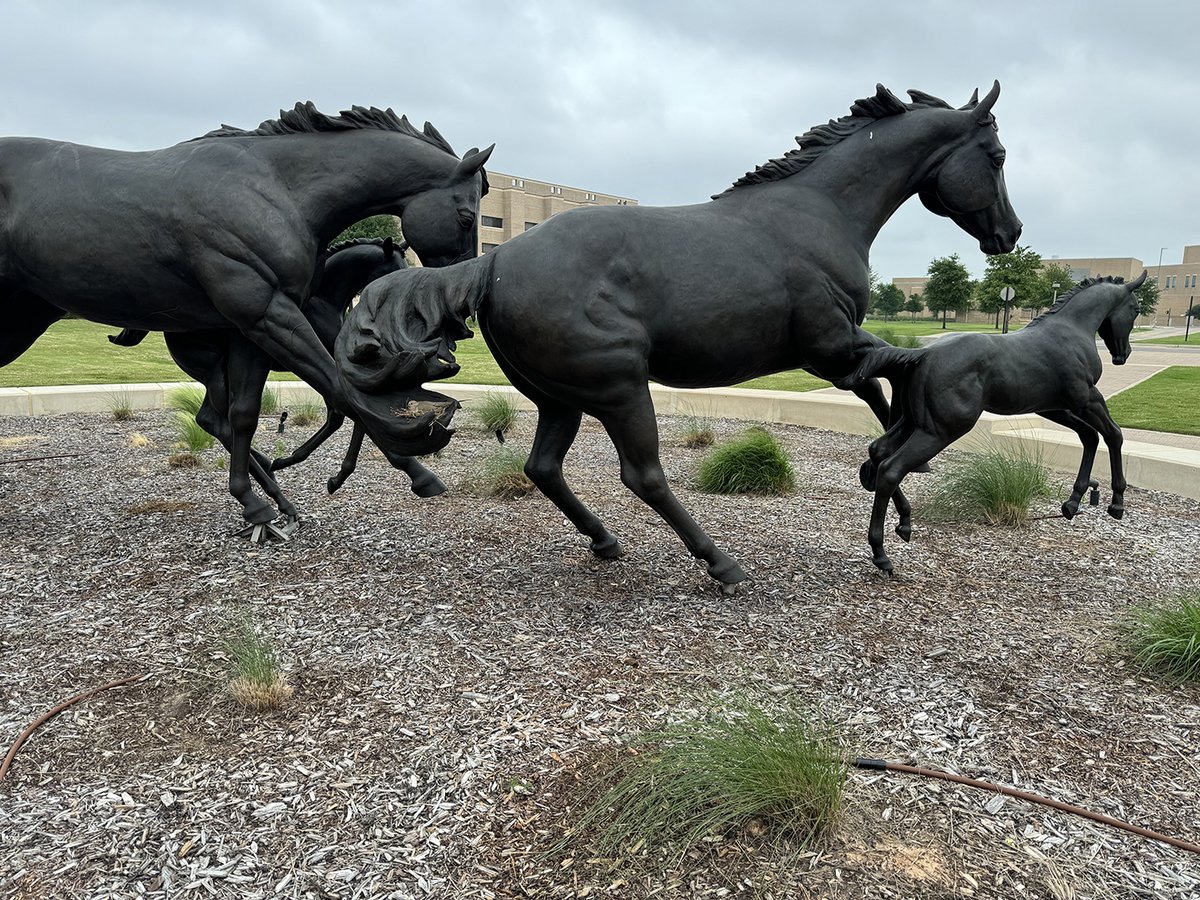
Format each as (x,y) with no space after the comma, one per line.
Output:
(607,548)
(1116,510)
(334,483)
(904,532)
(1070,510)
(256,512)
(923,468)
(727,572)
(866,476)
(280,462)
(883,564)
(427,487)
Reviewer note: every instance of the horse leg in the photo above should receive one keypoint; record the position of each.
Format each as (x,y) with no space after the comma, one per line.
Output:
(30,316)
(1090,438)
(333,421)
(557,427)
(871,393)
(1096,414)
(920,447)
(634,432)
(349,461)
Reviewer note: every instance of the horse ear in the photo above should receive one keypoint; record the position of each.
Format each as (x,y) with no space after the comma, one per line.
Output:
(1133,286)
(984,109)
(472,163)
(973,102)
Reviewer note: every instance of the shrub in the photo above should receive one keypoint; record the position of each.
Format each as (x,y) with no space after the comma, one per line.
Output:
(897,340)
(186,399)
(995,485)
(496,412)
(1164,636)
(502,474)
(256,681)
(306,413)
(751,464)
(186,402)
(270,402)
(732,768)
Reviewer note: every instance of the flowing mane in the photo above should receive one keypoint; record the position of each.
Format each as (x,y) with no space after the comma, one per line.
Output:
(818,139)
(305,118)
(357,242)
(1063,299)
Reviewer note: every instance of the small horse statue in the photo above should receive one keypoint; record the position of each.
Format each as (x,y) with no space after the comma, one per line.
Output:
(234,221)
(1049,367)
(219,359)
(581,312)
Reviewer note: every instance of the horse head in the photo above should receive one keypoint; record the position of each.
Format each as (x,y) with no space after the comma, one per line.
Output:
(1118,324)
(440,223)
(967,186)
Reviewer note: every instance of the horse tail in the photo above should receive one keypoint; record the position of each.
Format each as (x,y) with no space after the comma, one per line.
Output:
(403,331)
(883,362)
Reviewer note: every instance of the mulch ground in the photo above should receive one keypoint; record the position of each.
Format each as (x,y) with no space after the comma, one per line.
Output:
(459,662)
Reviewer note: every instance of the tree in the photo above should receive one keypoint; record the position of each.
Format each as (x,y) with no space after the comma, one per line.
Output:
(1055,279)
(373,227)
(914,305)
(949,286)
(1147,297)
(1019,270)
(889,301)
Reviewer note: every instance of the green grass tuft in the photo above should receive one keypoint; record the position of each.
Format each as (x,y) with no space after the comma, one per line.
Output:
(751,464)
(1164,636)
(271,402)
(995,485)
(502,474)
(696,431)
(304,414)
(255,678)
(120,403)
(732,768)
(186,400)
(496,412)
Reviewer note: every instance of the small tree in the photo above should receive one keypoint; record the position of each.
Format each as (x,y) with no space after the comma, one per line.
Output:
(1147,297)
(889,301)
(949,286)
(1019,270)
(914,305)
(1055,279)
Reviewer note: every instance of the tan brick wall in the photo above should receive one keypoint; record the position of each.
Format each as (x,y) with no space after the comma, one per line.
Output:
(519,202)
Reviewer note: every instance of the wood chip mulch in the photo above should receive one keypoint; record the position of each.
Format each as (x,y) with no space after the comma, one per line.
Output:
(458,662)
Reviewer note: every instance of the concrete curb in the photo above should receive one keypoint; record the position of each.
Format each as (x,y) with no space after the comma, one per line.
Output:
(1151,466)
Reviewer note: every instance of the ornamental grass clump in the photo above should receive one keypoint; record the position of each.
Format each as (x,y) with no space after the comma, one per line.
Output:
(255,678)
(306,413)
(496,413)
(995,485)
(1164,636)
(696,432)
(121,406)
(732,769)
(271,402)
(502,475)
(186,402)
(751,464)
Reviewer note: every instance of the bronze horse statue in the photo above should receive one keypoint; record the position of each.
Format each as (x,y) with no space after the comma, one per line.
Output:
(218,358)
(223,231)
(772,274)
(1049,367)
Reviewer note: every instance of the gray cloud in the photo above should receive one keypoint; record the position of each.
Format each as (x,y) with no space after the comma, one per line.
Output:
(666,102)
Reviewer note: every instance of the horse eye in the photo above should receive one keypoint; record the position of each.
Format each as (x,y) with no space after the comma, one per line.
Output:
(466,217)
(998,160)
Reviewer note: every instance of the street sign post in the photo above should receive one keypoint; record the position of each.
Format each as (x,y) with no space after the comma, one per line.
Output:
(1007,295)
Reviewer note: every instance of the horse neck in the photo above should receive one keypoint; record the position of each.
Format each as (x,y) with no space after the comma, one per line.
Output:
(1088,310)
(869,175)
(343,176)
(341,285)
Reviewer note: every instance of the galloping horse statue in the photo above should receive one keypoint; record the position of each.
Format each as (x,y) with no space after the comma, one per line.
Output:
(218,358)
(223,231)
(1049,367)
(772,274)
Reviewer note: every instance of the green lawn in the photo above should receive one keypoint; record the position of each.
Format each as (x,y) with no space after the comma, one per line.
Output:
(919,327)
(1165,402)
(1193,340)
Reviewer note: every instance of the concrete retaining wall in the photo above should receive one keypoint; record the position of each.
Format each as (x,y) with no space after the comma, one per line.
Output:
(1150,466)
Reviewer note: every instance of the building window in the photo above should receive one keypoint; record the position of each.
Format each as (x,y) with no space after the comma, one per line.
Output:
(492,221)
(529,225)
(488,248)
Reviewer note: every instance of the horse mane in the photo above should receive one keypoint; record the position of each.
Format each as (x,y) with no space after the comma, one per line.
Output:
(1063,299)
(820,138)
(305,118)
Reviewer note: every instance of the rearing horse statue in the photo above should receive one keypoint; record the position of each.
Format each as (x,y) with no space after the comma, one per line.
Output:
(772,274)
(222,231)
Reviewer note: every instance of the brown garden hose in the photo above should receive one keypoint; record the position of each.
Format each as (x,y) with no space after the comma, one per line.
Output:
(46,717)
(884,765)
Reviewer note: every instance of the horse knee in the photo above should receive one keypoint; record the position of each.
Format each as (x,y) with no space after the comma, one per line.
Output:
(649,483)
(542,471)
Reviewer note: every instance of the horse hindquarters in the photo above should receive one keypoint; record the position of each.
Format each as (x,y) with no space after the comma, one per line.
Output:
(29,317)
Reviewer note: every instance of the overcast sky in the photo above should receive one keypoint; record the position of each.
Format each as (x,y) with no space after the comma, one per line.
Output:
(663,102)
